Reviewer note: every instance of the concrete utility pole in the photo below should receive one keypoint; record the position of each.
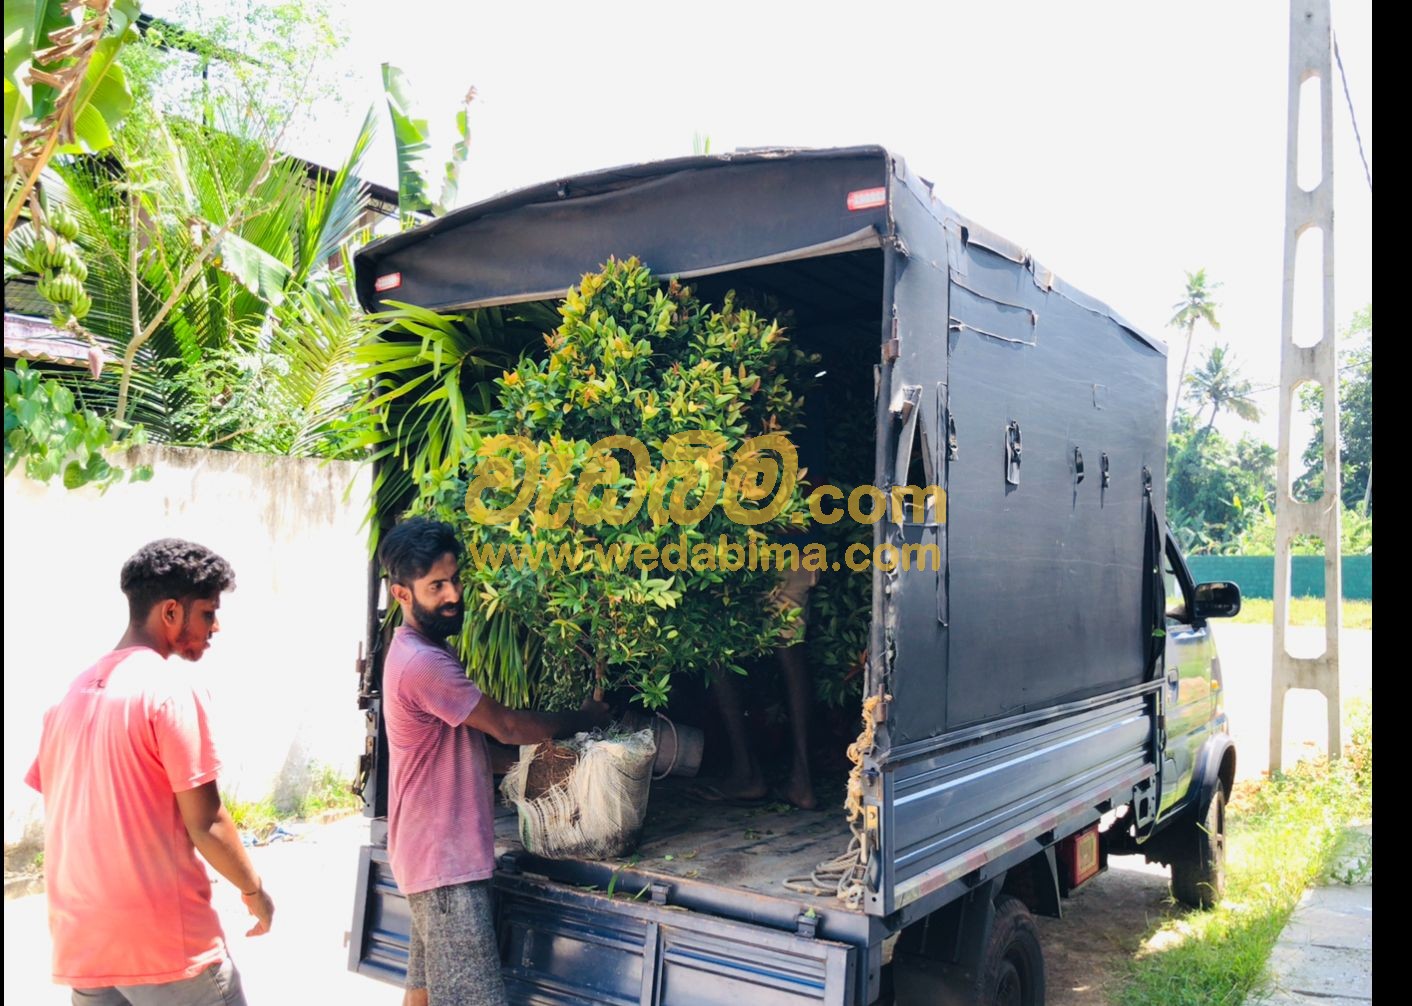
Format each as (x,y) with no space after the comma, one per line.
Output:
(1310,56)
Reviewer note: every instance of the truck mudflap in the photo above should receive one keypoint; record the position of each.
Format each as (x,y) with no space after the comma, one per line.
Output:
(561,945)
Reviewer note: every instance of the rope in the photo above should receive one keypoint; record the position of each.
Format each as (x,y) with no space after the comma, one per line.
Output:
(676,750)
(840,877)
(844,875)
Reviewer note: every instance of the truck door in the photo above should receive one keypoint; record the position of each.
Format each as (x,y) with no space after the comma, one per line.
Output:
(1190,652)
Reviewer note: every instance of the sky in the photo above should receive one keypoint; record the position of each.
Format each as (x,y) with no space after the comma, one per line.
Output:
(1121,143)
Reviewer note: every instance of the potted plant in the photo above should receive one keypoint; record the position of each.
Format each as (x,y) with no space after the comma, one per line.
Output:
(632,473)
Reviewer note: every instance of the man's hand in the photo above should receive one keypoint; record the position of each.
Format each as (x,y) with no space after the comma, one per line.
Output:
(594,713)
(215,836)
(259,905)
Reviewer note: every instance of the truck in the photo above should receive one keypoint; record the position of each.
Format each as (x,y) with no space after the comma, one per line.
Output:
(1048,697)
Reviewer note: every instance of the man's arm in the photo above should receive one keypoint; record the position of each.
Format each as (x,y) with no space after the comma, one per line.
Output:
(524,726)
(218,840)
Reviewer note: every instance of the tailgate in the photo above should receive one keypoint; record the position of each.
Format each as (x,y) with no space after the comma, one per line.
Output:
(560,944)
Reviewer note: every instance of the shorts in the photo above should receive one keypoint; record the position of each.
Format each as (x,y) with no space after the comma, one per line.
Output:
(454,954)
(792,591)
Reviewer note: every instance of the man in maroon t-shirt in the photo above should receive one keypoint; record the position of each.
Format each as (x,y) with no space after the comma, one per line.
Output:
(441,801)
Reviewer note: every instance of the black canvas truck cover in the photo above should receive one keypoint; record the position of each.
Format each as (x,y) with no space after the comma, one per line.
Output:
(1013,682)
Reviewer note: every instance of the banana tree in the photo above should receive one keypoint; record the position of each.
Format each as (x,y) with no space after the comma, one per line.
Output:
(412,136)
(64,89)
(206,250)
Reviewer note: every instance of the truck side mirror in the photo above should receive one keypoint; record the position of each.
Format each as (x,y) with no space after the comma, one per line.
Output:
(1220,599)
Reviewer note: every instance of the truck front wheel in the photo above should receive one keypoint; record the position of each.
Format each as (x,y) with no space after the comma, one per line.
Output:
(1199,861)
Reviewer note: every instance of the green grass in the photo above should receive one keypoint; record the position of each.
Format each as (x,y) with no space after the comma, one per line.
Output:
(259,816)
(1284,834)
(1304,611)
(328,791)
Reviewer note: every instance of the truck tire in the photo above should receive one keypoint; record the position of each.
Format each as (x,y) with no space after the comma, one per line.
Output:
(1199,860)
(1007,970)
(1012,967)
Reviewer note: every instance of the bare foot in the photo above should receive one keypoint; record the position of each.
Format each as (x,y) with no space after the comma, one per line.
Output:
(800,791)
(731,789)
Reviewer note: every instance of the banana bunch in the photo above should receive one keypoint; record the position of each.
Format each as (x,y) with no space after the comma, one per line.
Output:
(56,259)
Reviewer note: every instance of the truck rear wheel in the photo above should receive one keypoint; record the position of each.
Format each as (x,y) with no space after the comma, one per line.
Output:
(1199,864)
(1006,970)
(1012,968)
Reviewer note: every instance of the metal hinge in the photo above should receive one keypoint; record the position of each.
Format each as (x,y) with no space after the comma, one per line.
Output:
(365,768)
(366,691)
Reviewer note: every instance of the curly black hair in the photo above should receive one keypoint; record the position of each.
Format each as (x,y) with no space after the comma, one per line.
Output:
(413,546)
(172,569)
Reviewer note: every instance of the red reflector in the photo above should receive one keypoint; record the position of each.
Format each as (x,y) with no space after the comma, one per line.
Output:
(867,199)
(1081,856)
(389,282)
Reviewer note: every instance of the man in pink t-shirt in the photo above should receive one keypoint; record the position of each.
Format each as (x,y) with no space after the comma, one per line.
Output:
(128,771)
(441,803)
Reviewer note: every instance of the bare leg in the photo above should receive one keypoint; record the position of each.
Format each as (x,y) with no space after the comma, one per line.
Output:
(744,781)
(414,997)
(800,790)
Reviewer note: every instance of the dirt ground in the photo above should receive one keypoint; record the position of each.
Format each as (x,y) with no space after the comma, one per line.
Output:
(1103,927)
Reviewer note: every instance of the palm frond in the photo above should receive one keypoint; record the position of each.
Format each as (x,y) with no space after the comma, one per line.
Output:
(333,210)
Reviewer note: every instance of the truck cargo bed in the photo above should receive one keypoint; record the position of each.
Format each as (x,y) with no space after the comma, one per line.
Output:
(686,839)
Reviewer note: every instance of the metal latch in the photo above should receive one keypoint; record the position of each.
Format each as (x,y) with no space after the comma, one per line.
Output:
(951,444)
(660,892)
(806,924)
(1012,453)
(1078,466)
(1103,465)
(872,876)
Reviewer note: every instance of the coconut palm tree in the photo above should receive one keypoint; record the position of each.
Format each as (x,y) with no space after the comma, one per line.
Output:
(1196,305)
(1219,384)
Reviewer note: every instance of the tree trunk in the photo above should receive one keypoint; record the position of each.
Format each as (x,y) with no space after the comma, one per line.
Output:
(1181,374)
